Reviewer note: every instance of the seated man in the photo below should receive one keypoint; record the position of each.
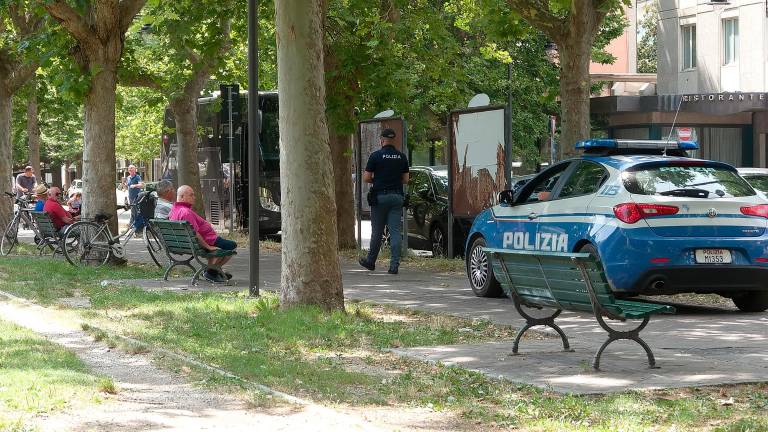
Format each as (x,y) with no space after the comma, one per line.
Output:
(206,235)
(41,194)
(61,218)
(165,196)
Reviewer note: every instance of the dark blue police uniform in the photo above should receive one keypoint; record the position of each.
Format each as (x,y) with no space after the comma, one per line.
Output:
(388,166)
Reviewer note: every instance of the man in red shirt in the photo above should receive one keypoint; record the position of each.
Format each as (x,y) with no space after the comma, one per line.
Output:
(206,235)
(61,218)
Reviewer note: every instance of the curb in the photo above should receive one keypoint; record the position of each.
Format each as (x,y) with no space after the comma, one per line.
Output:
(177,356)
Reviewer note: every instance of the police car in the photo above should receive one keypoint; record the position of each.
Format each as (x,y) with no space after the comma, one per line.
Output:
(660,222)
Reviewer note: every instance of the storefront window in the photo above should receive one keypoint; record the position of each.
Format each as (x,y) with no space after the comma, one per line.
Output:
(689,46)
(730,41)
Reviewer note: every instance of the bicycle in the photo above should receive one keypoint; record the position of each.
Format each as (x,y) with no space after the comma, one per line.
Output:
(92,243)
(21,215)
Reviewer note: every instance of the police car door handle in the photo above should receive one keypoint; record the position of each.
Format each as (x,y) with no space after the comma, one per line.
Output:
(532,216)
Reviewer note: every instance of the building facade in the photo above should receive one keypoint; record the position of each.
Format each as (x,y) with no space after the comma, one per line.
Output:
(712,82)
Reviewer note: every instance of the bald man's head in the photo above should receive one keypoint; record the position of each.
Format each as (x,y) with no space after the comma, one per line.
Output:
(185,194)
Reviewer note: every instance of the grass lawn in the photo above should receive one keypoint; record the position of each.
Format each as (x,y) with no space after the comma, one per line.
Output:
(37,376)
(341,357)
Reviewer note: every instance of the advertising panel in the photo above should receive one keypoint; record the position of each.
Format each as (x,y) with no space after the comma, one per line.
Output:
(477,159)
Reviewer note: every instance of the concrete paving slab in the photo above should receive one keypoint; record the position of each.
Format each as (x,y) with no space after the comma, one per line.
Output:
(623,365)
(696,346)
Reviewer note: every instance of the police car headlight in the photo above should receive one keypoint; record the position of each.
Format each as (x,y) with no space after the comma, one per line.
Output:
(267,202)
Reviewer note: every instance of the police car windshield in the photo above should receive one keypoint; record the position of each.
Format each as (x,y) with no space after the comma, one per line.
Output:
(684,180)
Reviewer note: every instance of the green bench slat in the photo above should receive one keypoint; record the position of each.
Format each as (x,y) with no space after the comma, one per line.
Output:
(555,280)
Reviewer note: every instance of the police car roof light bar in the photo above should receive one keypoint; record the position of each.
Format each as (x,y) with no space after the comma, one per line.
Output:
(608,143)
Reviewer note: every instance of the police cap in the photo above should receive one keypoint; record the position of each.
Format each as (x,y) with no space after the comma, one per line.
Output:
(388,133)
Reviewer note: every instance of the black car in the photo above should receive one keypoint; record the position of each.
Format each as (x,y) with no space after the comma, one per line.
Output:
(428,213)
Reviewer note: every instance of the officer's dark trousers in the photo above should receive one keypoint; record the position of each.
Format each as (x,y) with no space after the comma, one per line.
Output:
(389,212)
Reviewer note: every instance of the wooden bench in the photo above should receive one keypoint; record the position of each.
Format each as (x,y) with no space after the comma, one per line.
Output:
(49,235)
(573,282)
(182,247)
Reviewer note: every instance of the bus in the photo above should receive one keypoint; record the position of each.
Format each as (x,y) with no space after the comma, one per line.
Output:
(217,175)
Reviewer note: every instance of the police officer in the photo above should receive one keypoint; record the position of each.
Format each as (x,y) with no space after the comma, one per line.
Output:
(387,169)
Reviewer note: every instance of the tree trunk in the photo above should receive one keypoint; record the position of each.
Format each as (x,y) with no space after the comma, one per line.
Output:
(99,149)
(341,153)
(6,155)
(188,170)
(310,266)
(575,52)
(33,132)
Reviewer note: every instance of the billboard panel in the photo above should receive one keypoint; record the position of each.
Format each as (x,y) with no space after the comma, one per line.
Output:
(477,159)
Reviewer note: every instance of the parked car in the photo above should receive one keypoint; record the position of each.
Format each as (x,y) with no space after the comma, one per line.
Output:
(121,194)
(76,186)
(428,212)
(757,177)
(660,223)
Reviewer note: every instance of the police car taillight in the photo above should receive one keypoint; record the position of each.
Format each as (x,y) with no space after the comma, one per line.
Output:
(633,212)
(758,210)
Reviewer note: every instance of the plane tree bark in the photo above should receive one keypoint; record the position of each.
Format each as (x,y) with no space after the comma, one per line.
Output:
(99,32)
(15,71)
(574,31)
(310,266)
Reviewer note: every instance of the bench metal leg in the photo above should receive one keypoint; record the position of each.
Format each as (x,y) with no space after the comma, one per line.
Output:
(532,322)
(614,335)
(178,263)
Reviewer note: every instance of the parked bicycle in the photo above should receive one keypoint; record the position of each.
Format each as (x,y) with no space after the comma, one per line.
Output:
(20,217)
(92,243)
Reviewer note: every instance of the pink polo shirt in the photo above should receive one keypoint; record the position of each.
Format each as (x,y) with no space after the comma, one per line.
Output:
(182,211)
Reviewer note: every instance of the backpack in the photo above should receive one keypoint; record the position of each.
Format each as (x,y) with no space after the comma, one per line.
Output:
(147,202)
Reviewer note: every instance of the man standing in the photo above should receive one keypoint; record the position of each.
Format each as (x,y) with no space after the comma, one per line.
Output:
(165,196)
(61,218)
(206,235)
(25,182)
(134,184)
(388,170)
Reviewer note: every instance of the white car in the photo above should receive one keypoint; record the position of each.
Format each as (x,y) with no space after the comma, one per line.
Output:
(76,186)
(121,194)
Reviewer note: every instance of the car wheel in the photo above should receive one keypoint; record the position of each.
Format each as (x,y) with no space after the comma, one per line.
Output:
(751,301)
(480,271)
(439,242)
(590,249)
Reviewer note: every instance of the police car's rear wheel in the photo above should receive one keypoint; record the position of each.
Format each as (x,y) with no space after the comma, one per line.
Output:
(480,271)
(752,301)
(590,249)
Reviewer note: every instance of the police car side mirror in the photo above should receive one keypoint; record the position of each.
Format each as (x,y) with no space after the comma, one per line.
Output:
(507,197)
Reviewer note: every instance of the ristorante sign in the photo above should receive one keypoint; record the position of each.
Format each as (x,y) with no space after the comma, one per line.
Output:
(715,103)
(725,97)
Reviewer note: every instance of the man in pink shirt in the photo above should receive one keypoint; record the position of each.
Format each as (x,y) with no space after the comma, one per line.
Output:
(206,235)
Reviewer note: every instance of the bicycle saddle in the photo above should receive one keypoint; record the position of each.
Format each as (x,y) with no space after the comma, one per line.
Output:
(102,217)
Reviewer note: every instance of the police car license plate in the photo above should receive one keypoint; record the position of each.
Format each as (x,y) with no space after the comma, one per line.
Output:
(713,256)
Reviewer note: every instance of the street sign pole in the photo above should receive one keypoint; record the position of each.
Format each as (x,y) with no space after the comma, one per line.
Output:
(231,162)
(254,202)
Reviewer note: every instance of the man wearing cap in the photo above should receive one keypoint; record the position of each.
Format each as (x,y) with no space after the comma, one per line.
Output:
(25,182)
(387,170)
(41,194)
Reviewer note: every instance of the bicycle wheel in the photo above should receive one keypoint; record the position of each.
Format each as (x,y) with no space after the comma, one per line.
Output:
(155,247)
(87,244)
(10,237)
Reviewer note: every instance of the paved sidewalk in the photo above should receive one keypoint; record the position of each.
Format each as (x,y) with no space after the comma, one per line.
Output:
(696,346)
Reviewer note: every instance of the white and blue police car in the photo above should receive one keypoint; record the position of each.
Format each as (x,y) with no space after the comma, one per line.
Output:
(660,222)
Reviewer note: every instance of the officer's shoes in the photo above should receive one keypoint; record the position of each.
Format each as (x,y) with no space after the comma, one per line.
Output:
(392,270)
(370,266)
